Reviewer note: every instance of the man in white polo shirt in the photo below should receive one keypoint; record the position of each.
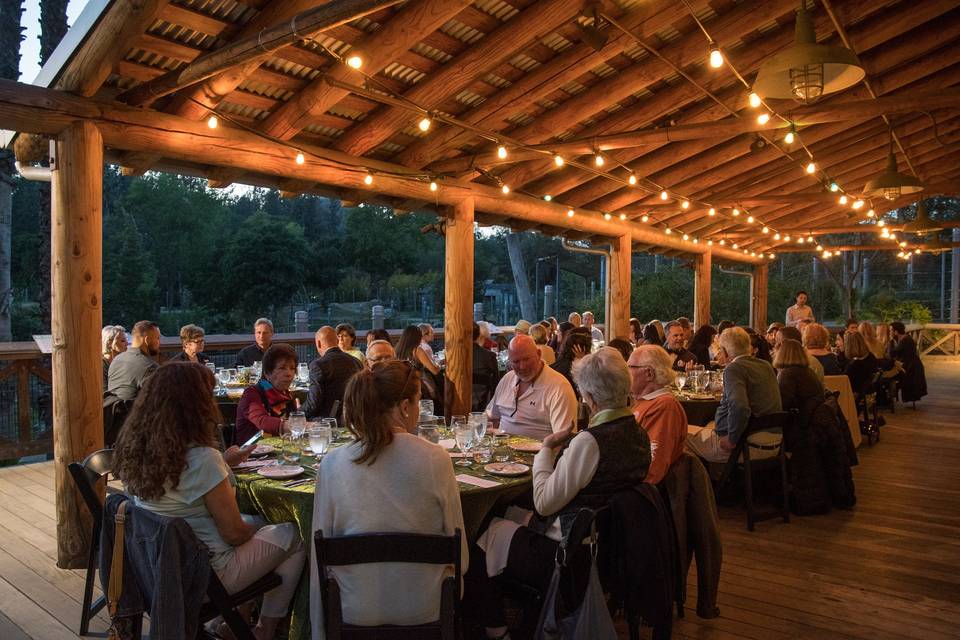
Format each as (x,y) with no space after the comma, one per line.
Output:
(532,399)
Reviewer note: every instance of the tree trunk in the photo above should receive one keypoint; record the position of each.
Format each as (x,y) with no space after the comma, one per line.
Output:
(11,34)
(847,287)
(520,278)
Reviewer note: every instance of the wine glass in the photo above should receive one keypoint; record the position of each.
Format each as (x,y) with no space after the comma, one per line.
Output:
(464,433)
(426,407)
(427,429)
(320,439)
(291,449)
(297,422)
(303,372)
(479,421)
(331,423)
(681,380)
(224,376)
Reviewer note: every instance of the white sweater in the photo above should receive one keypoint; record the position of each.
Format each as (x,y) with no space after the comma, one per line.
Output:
(410,488)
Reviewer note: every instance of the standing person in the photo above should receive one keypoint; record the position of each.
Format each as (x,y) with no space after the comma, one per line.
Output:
(347,340)
(595,333)
(799,311)
(265,405)
(682,359)
(113,342)
(129,370)
(263,338)
(409,348)
(329,375)
(656,410)
(532,399)
(192,338)
(168,460)
(426,337)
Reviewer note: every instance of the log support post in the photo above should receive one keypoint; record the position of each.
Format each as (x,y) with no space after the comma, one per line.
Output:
(702,266)
(758,297)
(618,291)
(76,291)
(458,307)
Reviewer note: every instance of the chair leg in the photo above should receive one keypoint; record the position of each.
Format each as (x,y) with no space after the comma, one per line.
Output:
(785,485)
(86,613)
(748,486)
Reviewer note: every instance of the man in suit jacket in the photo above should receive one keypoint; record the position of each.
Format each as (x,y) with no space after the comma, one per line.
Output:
(749,389)
(486,373)
(329,375)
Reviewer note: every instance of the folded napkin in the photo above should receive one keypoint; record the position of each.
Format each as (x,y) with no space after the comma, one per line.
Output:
(483,483)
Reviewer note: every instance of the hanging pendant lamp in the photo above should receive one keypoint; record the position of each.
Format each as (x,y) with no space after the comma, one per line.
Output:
(891,184)
(922,224)
(805,71)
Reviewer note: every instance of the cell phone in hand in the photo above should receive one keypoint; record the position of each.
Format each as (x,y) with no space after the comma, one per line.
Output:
(253,439)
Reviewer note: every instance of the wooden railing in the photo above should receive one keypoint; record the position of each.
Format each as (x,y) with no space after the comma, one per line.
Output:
(936,339)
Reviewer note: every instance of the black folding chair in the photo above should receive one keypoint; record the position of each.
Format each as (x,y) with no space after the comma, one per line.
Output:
(867,409)
(86,475)
(389,547)
(773,422)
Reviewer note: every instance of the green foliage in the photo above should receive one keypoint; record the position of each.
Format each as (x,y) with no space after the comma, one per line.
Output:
(129,271)
(885,307)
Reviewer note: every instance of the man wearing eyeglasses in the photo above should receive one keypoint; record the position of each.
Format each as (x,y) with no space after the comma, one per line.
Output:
(532,399)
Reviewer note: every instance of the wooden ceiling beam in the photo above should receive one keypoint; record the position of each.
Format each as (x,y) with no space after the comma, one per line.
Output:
(43,111)
(379,49)
(518,33)
(860,247)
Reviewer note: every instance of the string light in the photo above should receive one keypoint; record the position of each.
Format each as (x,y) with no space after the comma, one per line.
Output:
(772,256)
(664,195)
(433,186)
(870,213)
(632,180)
(505,189)
(696,241)
(548,197)
(800,240)
(810,239)
(502,152)
(368,179)
(858,204)
(749,219)
(903,243)
(644,218)
(712,212)
(355,61)
(722,242)
(776,236)
(786,238)
(623,216)
(735,212)
(811,167)
(607,216)
(598,159)
(424,124)
(558,160)
(819,247)
(834,187)
(763,118)
(686,236)
(685,204)
(212,122)
(791,136)
(916,251)
(668,232)
(300,159)
(880,223)
(842,199)
(736,246)
(766,229)
(709,243)
(716,58)
(754,100)
(570,213)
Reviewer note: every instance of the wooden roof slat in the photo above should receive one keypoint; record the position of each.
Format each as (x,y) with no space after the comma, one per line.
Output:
(524,28)
(196,20)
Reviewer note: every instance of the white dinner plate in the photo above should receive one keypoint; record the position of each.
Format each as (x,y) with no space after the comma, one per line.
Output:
(280,471)
(263,450)
(526,447)
(506,468)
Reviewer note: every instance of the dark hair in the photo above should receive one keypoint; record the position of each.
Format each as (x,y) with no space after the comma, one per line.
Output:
(369,395)
(476,331)
(760,343)
(378,334)
(791,333)
(636,329)
(348,328)
(623,346)
(802,292)
(277,353)
(409,340)
(582,330)
(143,327)
(850,321)
(651,335)
(703,336)
(723,325)
(174,411)
(575,339)
(565,326)
(546,324)
(898,327)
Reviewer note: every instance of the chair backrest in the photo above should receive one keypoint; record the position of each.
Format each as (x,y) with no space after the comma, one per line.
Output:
(334,409)
(87,474)
(769,422)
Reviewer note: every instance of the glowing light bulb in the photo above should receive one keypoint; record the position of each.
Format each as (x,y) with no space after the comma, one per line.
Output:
(754,100)
(212,122)
(368,179)
(776,236)
(570,213)
(810,239)
(819,247)
(712,212)
(772,256)
(548,197)
(632,180)
(916,251)
(893,236)
(355,61)
(735,212)
(300,159)
(749,219)
(558,160)
(598,160)
(644,218)
(716,58)
(424,124)
(766,230)
(433,186)
(722,242)
(763,118)
(857,204)
(502,152)
(903,243)
(686,236)
(736,246)
(842,199)
(505,189)
(786,238)
(745,251)
(881,223)
(753,253)
(664,195)
(607,216)
(685,204)
(800,240)
(667,231)
(790,138)
(696,241)
(709,243)
(834,187)
(870,213)
(811,168)
(623,216)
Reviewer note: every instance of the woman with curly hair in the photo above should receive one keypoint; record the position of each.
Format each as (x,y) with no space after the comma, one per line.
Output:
(168,460)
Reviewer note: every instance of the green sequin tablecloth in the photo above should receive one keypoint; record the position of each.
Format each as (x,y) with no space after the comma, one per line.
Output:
(277,503)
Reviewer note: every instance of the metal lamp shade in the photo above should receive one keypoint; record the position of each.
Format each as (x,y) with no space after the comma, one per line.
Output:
(891,184)
(805,71)
(922,224)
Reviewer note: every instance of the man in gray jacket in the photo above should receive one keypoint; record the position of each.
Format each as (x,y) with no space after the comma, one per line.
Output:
(749,389)
(130,369)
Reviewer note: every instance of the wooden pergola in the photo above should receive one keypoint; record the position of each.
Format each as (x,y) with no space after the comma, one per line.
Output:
(598,122)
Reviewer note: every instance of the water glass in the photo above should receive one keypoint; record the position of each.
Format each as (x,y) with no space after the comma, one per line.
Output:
(297,423)
(331,423)
(463,433)
(426,407)
(483,451)
(320,439)
(681,381)
(257,368)
(479,421)
(291,449)
(213,367)
(303,372)
(429,431)
(232,375)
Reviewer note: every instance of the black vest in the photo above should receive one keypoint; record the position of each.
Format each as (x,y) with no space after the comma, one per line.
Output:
(624,461)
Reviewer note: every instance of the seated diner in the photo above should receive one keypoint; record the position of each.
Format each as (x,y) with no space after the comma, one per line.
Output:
(192,340)
(264,405)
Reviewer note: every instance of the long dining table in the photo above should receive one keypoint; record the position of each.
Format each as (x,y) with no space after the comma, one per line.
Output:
(279,503)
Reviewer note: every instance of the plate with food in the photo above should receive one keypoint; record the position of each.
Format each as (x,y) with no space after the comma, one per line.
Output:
(506,469)
(280,471)
(262,450)
(526,447)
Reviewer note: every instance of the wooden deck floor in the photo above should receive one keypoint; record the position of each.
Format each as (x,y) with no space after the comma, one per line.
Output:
(890,569)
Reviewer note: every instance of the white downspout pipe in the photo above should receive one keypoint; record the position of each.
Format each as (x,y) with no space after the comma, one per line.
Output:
(32,173)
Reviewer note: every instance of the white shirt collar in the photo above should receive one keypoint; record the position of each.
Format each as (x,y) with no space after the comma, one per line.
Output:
(656,393)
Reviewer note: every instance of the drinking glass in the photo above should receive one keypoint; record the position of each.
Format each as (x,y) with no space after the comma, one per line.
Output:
(429,431)
(224,376)
(479,421)
(213,367)
(464,433)
(320,438)
(297,422)
(233,375)
(291,449)
(331,423)
(426,407)
(681,381)
(303,372)
(483,451)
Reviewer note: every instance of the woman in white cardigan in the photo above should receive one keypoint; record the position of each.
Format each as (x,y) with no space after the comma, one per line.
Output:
(389,480)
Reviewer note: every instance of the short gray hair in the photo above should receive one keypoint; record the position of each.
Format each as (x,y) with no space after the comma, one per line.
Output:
(108,336)
(538,333)
(265,321)
(605,377)
(657,358)
(736,342)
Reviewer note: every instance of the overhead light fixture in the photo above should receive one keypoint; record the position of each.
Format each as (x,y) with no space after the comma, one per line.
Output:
(598,159)
(664,195)
(791,136)
(811,167)
(212,121)
(763,118)
(502,152)
(592,33)
(806,70)
(712,212)
(355,61)
(891,184)
(558,160)
(716,57)
(632,180)
(754,100)
(368,179)
(424,124)
(922,224)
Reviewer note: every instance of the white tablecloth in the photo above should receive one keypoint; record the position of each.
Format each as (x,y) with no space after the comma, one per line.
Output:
(847,403)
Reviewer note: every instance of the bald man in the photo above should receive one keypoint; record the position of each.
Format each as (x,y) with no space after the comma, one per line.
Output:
(379,351)
(532,399)
(329,375)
